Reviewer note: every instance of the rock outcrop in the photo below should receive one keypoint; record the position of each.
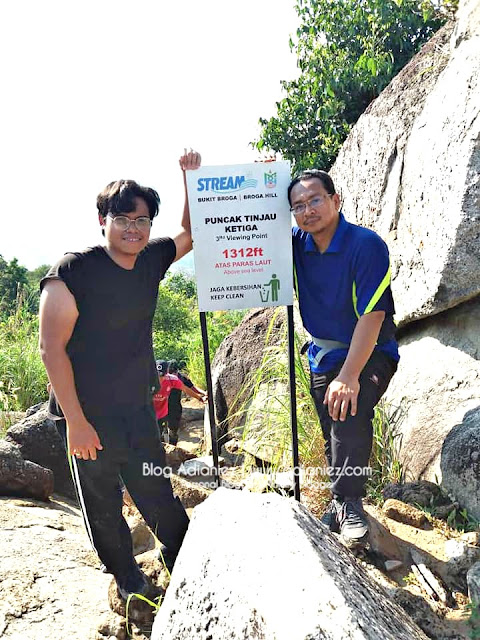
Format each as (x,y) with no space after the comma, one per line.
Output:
(460,462)
(410,170)
(50,582)
(274,573)
(19,477)
(438,384)
(38,440)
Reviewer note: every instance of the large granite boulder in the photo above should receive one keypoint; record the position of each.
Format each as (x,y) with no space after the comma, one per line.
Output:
(438,386)
(274,573)
(239,355)
(22,478)
(38,440)
(460,462)
(410,170)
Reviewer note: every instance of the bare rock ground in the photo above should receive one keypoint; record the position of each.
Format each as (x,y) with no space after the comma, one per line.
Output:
(51,585)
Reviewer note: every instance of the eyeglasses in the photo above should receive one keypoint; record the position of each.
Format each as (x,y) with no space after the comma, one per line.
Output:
(123,223)
(300,208)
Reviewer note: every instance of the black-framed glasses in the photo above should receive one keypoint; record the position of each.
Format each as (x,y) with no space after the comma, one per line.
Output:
(300,208)
(123,223)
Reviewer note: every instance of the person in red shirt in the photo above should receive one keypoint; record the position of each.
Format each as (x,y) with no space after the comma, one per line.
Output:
(169,381)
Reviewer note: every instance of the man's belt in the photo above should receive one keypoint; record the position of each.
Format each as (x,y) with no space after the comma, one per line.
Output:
(325,346)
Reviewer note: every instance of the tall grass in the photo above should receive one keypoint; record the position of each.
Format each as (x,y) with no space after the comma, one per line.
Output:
(384,459)
(263,403)
(23,378)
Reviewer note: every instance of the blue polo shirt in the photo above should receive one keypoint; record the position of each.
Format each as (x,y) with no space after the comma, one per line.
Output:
(335,288)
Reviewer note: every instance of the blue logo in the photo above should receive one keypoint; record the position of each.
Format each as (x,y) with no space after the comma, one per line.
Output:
(226,183)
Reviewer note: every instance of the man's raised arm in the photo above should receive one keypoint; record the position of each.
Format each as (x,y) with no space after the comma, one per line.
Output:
(183,239)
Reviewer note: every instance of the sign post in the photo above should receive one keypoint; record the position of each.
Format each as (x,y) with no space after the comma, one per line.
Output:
(241,228)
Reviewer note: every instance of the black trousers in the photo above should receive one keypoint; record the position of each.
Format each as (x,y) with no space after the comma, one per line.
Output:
(174,414)
(132,453)
(348,444)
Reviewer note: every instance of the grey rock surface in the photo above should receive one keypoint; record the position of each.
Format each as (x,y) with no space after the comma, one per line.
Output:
(287,578)
(410,170)
(51,585)
(460,462)
(473,581)
(22,478)
(461,556)
(38,440)
(437,385)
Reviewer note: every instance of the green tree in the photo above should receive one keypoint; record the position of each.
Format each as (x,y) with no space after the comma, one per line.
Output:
(181,282)
(36,275)
(13,282)
(348,51)
(33,290)
(173,322)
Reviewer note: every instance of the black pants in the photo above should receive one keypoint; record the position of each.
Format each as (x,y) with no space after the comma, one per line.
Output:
(348,444)
(174,414)
(132,452)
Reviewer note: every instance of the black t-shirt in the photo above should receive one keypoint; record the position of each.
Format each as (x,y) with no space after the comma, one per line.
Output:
(111,345)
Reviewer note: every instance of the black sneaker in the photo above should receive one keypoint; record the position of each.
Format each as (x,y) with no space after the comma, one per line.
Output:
(172,437)
(166,557)
(353,523)
(134,582)
(330,517)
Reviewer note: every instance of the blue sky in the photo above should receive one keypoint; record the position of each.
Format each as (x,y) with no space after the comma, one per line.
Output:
(98,91)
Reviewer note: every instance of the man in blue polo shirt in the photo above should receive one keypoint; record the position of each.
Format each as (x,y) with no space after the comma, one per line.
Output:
(343,287)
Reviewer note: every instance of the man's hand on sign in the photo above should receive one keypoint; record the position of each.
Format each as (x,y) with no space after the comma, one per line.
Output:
(341,393)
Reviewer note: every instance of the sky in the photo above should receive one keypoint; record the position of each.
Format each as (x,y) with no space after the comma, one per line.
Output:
(97,91)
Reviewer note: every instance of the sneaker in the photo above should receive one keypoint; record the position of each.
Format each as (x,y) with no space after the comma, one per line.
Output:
(330,517)
(353,523)
(134,582)
(172,437)
(166,557)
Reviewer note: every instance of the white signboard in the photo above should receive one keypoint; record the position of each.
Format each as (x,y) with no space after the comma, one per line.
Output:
(242,238)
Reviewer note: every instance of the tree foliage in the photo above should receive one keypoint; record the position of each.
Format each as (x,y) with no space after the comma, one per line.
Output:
(173,322)
(19,287)
(348,51)
(183,283)
(13,280)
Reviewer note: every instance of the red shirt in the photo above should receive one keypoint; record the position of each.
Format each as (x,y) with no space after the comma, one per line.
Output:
(160,399)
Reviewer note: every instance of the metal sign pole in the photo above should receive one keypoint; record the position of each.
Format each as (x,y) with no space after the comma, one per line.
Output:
(211,409)
(293,402)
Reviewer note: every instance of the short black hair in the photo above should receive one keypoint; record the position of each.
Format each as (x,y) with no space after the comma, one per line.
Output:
(119,197)
(172,366)
(309,174)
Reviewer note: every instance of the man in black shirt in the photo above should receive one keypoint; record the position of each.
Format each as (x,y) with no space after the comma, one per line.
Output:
(96,311)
